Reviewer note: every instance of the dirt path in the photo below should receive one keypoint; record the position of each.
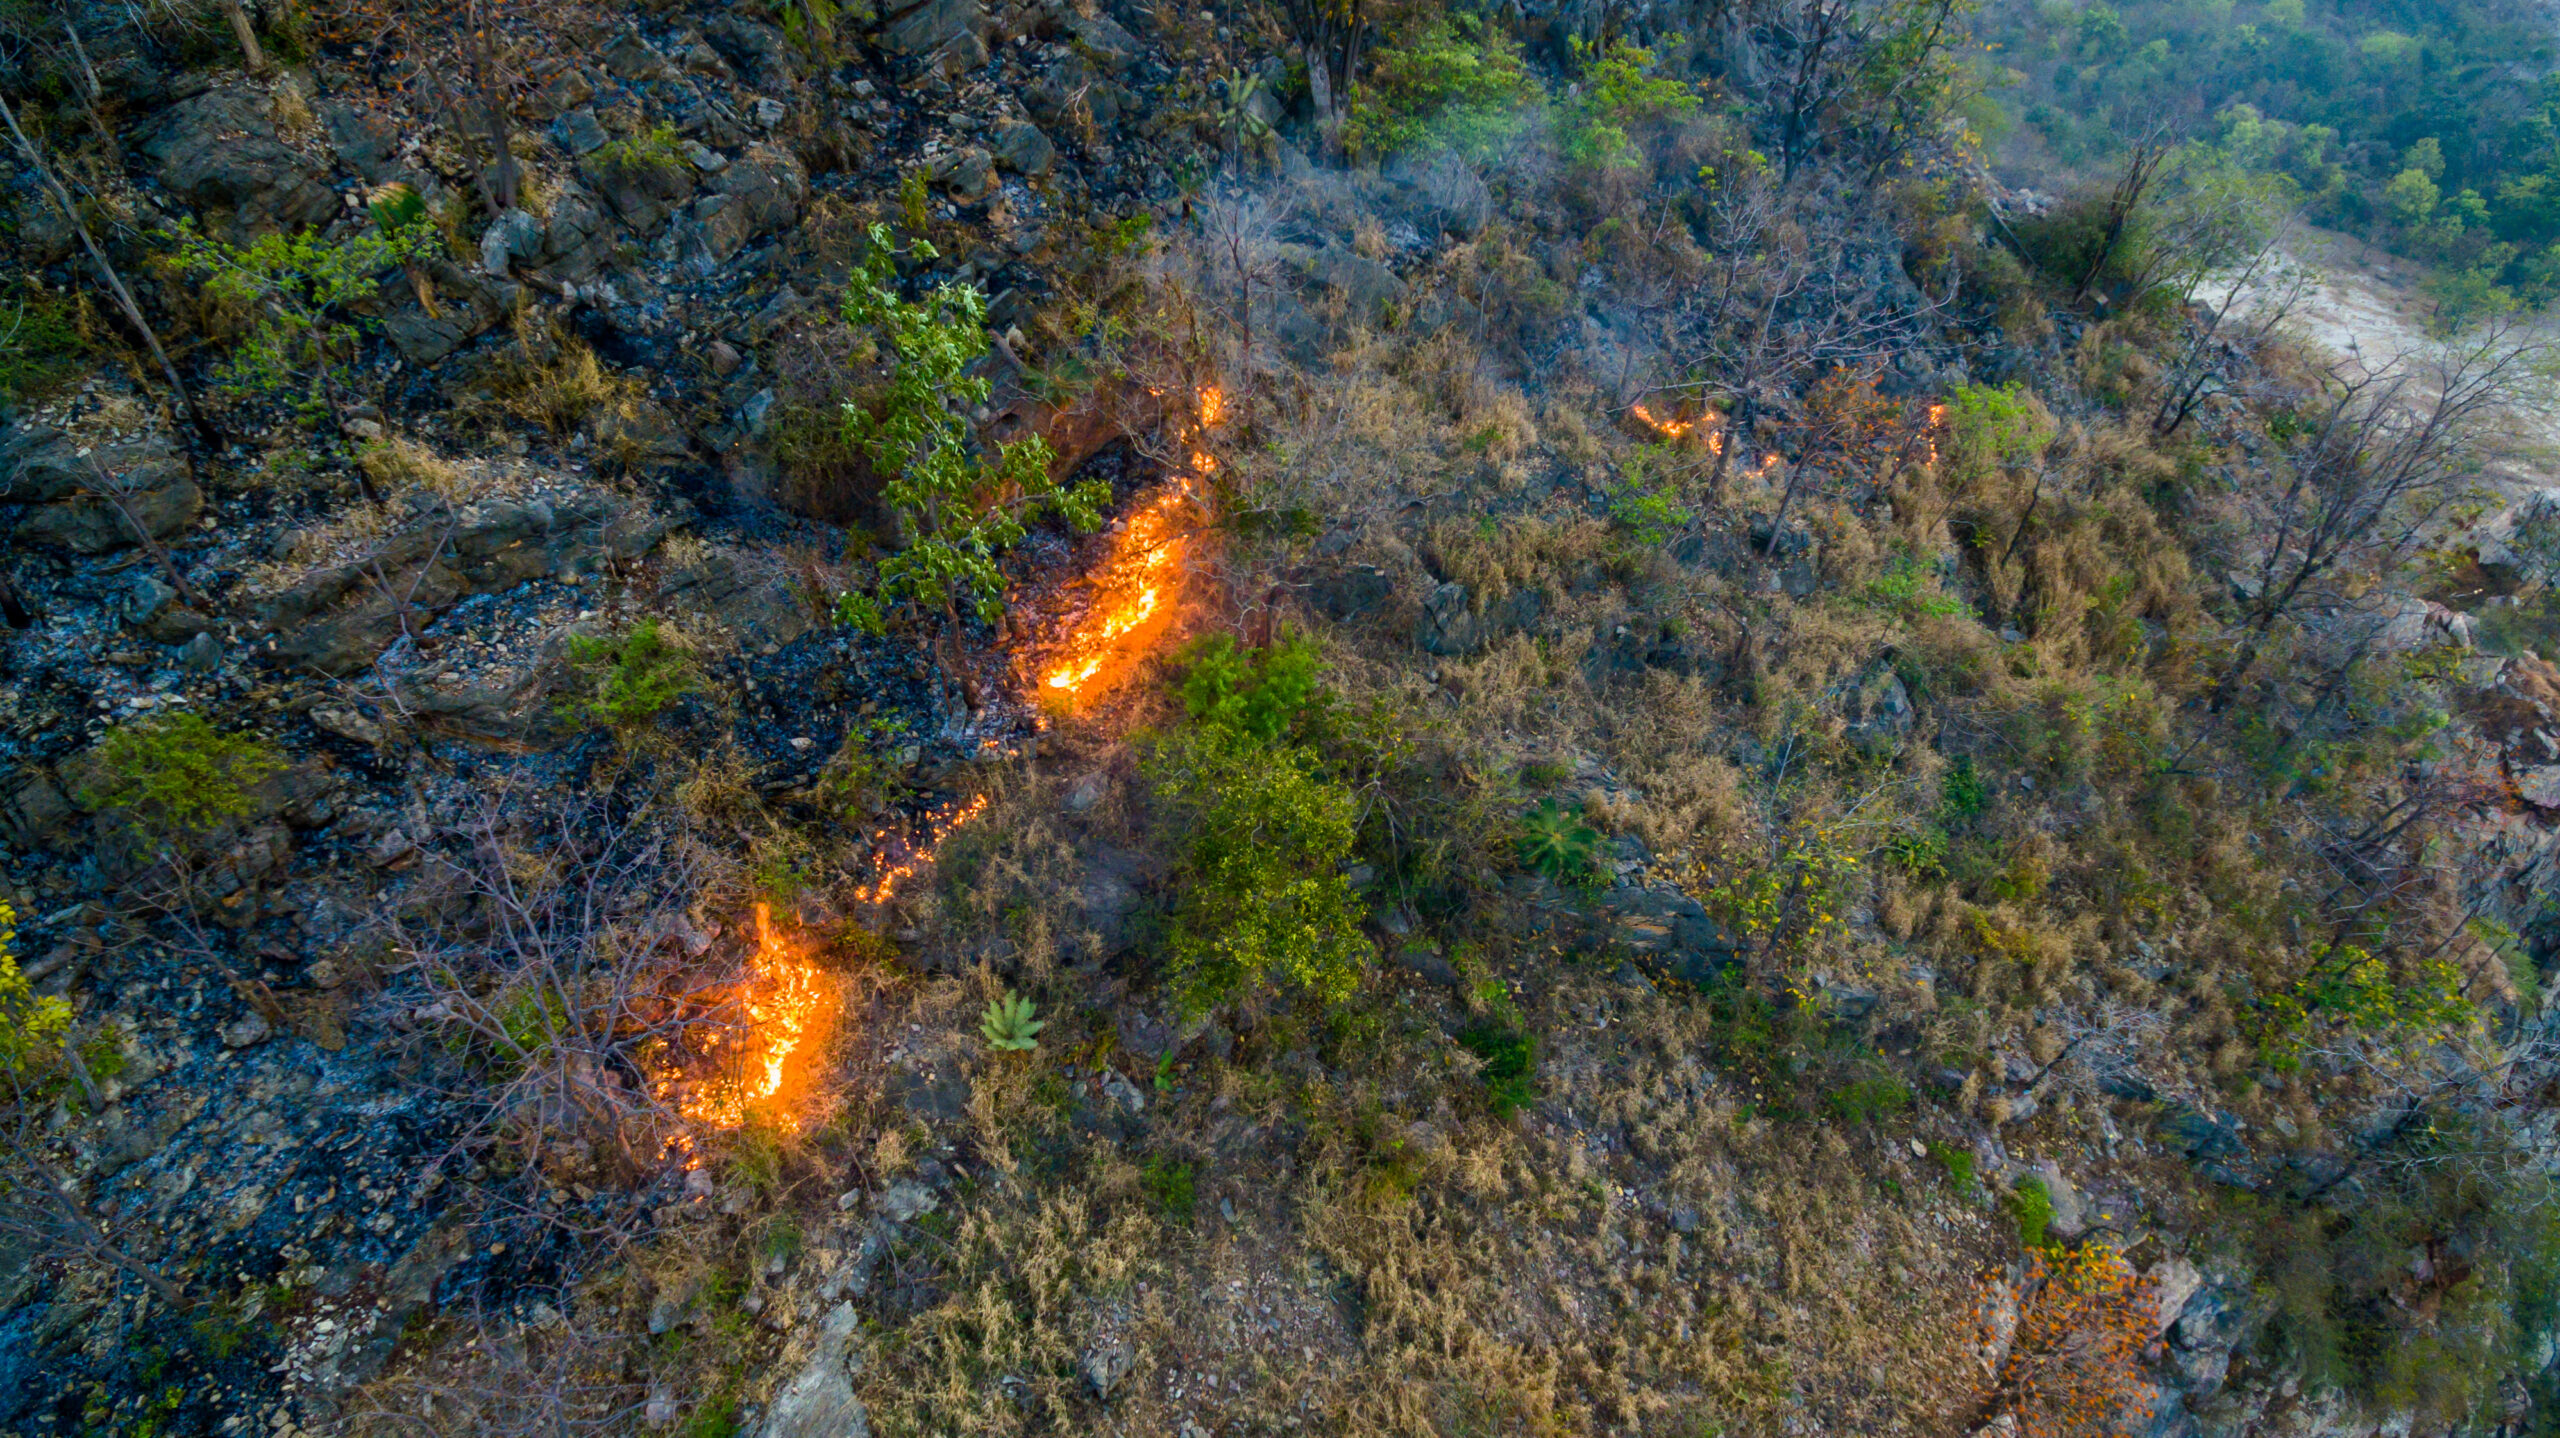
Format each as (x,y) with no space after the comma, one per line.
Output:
(2365,308)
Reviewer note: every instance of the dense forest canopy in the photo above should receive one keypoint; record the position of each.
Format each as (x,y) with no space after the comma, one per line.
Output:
(2431,128)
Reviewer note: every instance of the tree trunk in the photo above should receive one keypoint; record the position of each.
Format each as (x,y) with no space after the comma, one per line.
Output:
(247,36)
(125,301)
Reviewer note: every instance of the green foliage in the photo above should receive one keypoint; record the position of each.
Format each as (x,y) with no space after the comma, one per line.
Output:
(915,203)
(2414,128)
(396,207)
(630,678)
(1989,426)
(1265,901)
(174,776)
(960,510)
(1560,843)
(2348,988)
(1960,793)
(657,150)
(40,342)
(2031,1208)
(300,291)
(1868,1099)
(1261,693)
(1171,1187)
(32,1025)
(1909,587)
(864,772)
(1958,1162)
(1457,84)
(1645,501)
(1510,1067)
(1008,1025)
(715,1417)
(1619,93)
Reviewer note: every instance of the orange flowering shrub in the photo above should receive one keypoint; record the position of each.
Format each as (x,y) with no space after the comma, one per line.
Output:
(2074,1368)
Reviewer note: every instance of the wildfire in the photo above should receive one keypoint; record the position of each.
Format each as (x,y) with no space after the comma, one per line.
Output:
(1709,434)
(788,1003)
(1134,585)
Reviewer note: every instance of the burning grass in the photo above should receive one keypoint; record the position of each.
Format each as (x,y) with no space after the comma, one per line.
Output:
(1136,589)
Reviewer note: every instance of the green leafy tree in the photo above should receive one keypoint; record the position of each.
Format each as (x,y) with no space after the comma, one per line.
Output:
(1458,83)
(32,1025)
(1261,693)
(174,777)
(1619,93)
(959,508)
(300,290)
(1266,903)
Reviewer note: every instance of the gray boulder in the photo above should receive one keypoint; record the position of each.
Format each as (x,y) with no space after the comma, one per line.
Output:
(952,31)
(1104,39)
(1671,930)
(219,151)
(818,1402)
(757,195)
(968,173)
(468,305)
(1449,624)
(43,468)
(1021,147)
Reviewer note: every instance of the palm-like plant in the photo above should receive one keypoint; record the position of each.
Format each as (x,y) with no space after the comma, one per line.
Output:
(1560,843)
(1008,1025)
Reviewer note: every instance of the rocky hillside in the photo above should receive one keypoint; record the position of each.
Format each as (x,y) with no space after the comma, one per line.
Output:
(1044,718)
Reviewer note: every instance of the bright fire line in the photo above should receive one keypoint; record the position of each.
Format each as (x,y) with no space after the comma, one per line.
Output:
(1134,584)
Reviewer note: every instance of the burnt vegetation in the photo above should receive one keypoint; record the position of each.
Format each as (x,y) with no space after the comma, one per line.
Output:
(1337,717)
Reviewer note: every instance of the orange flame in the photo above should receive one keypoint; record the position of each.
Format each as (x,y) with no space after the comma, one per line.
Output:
(1133,585)
(1710,429)
(787,1002)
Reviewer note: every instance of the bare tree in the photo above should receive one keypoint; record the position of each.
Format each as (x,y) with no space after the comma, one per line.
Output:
(2383,457)
(41,1206)
(2255,301)
(108,274)
(123,493)
(564,965)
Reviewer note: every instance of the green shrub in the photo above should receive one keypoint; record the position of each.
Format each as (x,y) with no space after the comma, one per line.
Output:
(302,290)
(1256,692)
(1988,426)
(629,679)
(657,150)
(2031,1207)
(1510,1065)
(1868,1099)
(174,776)
(32,1025)
(1560,843)
(1458,84)
(1958,1162)
(1171,1187)
(40,343)
(1264,899)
